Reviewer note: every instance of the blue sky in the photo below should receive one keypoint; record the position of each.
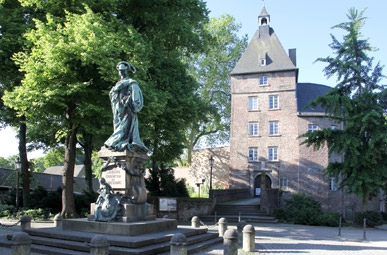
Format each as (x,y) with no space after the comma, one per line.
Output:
(301,24)
(306,26)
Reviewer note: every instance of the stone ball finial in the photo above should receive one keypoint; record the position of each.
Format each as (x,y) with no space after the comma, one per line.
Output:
(178,239)
(99,241)
(58,217)
(25,218)
(21,238)
(222,220)
(248,229)
(231,234)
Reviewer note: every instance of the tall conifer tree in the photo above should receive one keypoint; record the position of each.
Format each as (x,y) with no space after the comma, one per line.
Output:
(355,102)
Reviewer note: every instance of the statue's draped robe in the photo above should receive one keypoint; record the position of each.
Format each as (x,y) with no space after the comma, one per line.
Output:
(126,99)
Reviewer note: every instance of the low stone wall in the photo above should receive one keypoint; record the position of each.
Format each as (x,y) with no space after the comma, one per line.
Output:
(186,208)
(224,195)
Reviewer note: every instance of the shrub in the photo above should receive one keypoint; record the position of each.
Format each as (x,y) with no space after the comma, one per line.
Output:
(303,209)
(329,219)
(282,215)
(83,201)
(384,216)
(35,214)
(373,218)
(6,210)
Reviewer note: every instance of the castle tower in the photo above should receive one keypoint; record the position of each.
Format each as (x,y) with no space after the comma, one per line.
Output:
(263,138)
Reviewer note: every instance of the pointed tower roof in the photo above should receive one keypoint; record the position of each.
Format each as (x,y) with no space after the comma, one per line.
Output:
(263,12)
(264,46)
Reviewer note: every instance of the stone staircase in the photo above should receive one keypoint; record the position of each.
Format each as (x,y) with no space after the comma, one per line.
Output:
(248,213)
(68,242)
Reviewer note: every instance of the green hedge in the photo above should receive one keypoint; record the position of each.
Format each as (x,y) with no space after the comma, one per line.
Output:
(303,209)
(373,218)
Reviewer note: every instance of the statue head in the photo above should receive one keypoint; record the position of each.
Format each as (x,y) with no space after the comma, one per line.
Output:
(123,68)
(102,181)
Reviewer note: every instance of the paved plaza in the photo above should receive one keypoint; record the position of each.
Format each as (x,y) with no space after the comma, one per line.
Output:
(312,240)
(292,240)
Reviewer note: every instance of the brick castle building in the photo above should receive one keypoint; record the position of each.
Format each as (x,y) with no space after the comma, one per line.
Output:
(268,115)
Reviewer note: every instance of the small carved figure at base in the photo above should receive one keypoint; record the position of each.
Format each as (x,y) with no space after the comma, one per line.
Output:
(108,204)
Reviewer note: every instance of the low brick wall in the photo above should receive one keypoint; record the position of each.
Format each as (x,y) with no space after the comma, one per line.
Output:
(186,208)
(224,195)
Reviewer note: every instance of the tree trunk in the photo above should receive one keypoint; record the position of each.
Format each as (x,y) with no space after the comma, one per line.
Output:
(88,149)
(366,196)
(24,160)
(190,146)
(68,205)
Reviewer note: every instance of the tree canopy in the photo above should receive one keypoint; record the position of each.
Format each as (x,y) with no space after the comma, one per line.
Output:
(210,69)
(357,103)
(68,67)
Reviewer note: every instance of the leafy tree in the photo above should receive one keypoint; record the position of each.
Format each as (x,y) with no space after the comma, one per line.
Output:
(162,182)
(38,164)
(14,21)
(211,69)
(8,163)
(356,102)
(69,70)
(174,29)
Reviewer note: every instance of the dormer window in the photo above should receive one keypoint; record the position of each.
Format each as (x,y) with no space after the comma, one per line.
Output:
(262,62)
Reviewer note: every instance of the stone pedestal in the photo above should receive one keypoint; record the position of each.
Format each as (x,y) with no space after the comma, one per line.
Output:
(124,171)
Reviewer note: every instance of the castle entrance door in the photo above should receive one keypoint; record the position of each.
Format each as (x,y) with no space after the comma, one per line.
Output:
(258,186)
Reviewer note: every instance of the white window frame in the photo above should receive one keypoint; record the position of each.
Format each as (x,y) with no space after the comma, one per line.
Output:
(332,184)
(312,128)
(263,80)
(273,101)
(262,62)
(253,103)
(272,153)
(253,128)
(253,154)
(274,127)
(283,183)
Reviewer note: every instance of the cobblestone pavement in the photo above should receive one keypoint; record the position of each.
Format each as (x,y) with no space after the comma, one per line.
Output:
(287,239)
(311,240)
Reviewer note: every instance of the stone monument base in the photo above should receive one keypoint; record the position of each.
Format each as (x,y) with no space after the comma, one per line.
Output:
(120,228)
(131,212)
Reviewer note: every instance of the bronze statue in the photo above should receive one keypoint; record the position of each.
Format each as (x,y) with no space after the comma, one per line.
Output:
(108,204)
(126,99)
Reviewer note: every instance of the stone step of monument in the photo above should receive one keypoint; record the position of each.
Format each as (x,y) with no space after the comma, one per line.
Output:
(41,243)
(194,248)
(64,242)
(115,240)
(42,249)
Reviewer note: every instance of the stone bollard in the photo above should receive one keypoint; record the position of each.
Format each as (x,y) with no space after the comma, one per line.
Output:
(230,242)
(99,245)
(58,220)
(21,244)
(195,222)
(25,222)
(178,244)
(222,226)
(240,227)
(249,238)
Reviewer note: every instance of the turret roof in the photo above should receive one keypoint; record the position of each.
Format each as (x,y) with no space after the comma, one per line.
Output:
(266,47)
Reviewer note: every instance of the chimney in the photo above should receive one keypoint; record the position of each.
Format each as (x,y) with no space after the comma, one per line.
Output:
(292,56)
